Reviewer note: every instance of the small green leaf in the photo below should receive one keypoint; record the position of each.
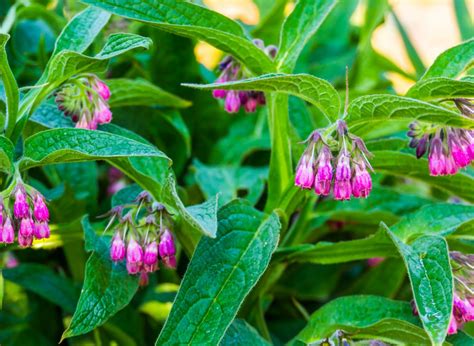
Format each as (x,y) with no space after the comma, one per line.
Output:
(298,28)
(193,21)
(452,62)
(441,88)
(107,289)
(241,333)
(74,145)
(128,92)
(10,86)
(220,275)
(228,181)
(311,89)
(81,31)
(364,317)
(7,151)
(118,44)
(427,262)
(366,109)
(44,282)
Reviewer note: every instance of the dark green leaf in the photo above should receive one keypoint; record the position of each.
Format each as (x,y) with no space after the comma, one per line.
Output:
(220,275)
(241,333)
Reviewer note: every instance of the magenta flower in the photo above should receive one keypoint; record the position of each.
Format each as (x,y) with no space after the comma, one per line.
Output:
(305,172)
(342,190)
(436,158)
(459,151)
(323,179)
(361,181)
(27,228)
(232,102)
(102,113)
(134,256)
(151,253)
(25,241)
(117,249)
(41,230)
(20,207)
(8,234)
(101,88)
(41,211)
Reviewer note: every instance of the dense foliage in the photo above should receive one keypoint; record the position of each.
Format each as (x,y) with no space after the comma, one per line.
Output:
(288,196)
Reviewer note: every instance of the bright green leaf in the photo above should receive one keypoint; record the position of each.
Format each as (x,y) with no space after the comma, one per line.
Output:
(10,86)
(441,88)
(241,333)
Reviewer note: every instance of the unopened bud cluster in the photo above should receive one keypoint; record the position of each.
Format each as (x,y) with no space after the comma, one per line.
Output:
(85,99)
(232,70)
(341,165)
(142,237)
(449,149)
(24,213)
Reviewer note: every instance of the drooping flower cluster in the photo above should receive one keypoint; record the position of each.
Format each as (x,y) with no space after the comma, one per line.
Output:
(350,176)
(25,213)
(233,70)
(142,237)
(85,99)
(449,149)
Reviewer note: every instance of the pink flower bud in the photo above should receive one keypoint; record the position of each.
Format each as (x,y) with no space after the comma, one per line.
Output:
(343,169)
(166,247)
(232,102)
(459,151)
(8,232)
(151,253)
(133,268)
(170,262)
(361,182)
(143,281)
(27,228)
(117,248)
(305,172)
(134,257)
(451,167)
(322,183)
(342,190)
(20,208)
(25,241)
(42,230)
(453,326)
(40,209)
(251,105)
(436,158)
(102,114)
(101,88)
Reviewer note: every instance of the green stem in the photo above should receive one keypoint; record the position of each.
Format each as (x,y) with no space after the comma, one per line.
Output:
(280,160)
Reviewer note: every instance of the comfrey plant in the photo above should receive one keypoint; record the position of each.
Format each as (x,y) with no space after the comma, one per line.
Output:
(449,149)
(345,152)
(85,98)
(142,236)
(232,70)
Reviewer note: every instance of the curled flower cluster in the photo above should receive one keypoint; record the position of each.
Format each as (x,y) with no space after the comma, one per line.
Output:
(142,237)
(85,99)
(350,176)
(232,70)
(449,149)
(30,216)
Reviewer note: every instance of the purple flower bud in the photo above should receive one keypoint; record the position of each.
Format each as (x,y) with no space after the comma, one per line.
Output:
(166,247)
(151,253)
(27,228)
(422,146)
(342,190)
(143,281)
(361,182)
(101,88)
(117,248)
(251,105)
(343,169)
(134,252)
(232,102)
(20,208)
(40,209)
(305,172)
(8,235)
(436,158)
(25,241)
(102,113)
(42,230)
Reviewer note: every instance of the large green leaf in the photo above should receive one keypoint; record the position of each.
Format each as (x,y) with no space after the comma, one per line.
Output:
(220,275)
(81,30)
(298,28)
(312,89)
(366,109)
(10,86)
(45,282)
(229,181)
(241,333)
(74,145)
(107,289)
(441,88)
(452,62)
(364,317)
(128,92)
(407,165)
(427,262)
(190,20)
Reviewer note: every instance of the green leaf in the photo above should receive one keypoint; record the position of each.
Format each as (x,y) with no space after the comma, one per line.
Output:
(314,90)
(74,145)
(407,165)
(241,333)
(118,44)
(221,273)
(298,28)
(364,317)
(43,281)
(10,86)
(193,21)
(452,62)
(464,19)
(427,262)
(107,289)
(7,151)
(366,109)
(441,88)
(202,217)
(81,31)
(128,92)
(49,116)
(229,181)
